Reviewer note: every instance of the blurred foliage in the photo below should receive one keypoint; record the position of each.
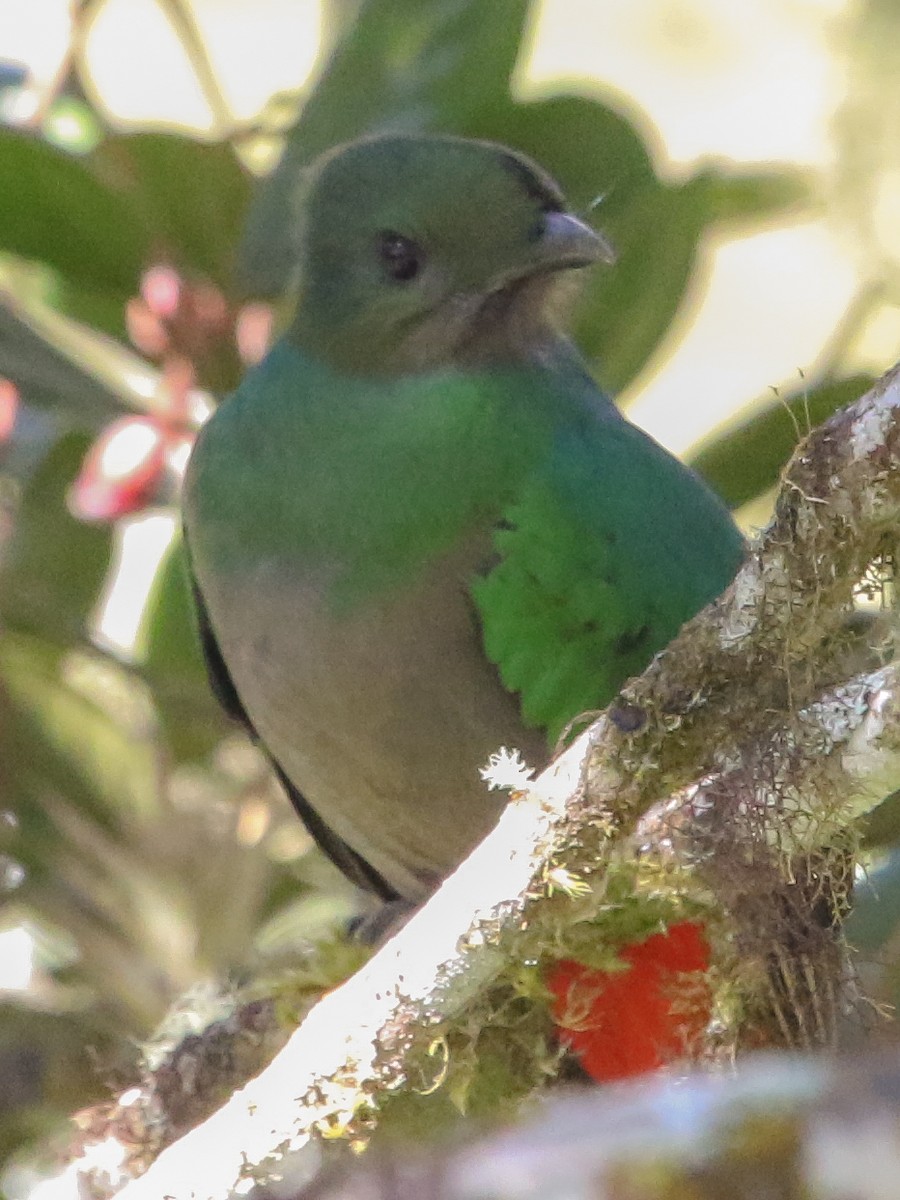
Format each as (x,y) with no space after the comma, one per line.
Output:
(140,838)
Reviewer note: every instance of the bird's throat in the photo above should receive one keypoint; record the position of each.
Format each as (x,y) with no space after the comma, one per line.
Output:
(518,321)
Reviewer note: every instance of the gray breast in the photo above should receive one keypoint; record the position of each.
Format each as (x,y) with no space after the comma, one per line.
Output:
(381,716)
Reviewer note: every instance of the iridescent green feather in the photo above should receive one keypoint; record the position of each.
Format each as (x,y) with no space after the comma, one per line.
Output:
(610,547)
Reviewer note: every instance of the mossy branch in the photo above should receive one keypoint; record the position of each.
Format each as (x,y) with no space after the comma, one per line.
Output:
(712,782)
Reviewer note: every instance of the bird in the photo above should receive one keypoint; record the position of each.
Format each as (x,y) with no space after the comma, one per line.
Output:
(419,530)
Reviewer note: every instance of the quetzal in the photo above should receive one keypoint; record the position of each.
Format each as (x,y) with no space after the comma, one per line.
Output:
(418,530)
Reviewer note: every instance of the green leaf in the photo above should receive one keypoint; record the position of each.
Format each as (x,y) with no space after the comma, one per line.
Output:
(744,462)
(54,209)
(591,149)
(54,566)
(412,63)
(99,219)
(757,195)
(172,662)
(403,64)
(191,197)
(101,311)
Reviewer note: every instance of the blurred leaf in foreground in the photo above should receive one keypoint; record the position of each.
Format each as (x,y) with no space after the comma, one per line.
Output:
(745,461)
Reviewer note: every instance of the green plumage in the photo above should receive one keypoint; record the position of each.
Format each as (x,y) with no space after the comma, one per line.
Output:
(418,530)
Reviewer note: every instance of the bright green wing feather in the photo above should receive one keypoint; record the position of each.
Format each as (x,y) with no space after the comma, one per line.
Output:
(610,547)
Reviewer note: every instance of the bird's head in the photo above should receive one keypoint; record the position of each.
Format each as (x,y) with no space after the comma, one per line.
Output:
(420,252)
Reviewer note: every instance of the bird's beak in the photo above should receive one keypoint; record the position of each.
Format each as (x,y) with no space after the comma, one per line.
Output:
(569,242)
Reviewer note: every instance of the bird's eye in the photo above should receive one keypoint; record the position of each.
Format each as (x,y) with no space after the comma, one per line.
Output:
(401,256)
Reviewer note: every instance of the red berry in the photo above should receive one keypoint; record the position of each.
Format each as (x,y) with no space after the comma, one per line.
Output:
(622,1023)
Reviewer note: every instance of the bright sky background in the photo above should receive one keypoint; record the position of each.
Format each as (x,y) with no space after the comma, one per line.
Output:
(749,80)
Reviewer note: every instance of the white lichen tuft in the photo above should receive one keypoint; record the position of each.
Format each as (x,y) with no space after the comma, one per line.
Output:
(505,771)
